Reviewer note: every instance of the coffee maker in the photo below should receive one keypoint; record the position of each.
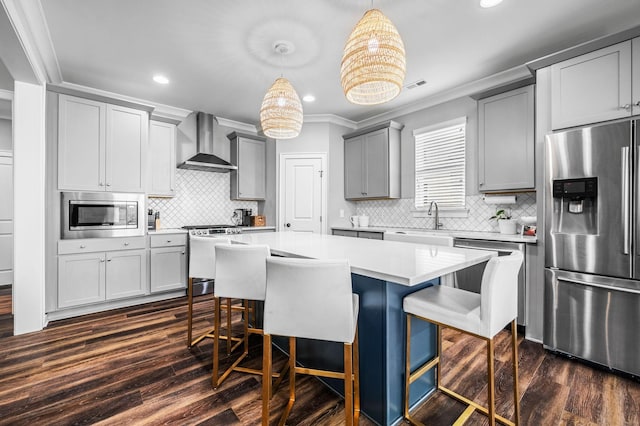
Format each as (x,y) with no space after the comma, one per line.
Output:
(242,217)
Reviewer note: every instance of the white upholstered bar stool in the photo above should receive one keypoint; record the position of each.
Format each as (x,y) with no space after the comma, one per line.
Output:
(312,299)
(482,315)
(241,273)
(202,264)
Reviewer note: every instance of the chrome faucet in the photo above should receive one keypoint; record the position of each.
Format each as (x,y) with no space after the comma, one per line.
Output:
(436,224)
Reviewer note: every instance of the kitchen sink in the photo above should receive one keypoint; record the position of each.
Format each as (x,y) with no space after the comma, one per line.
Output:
(438,238)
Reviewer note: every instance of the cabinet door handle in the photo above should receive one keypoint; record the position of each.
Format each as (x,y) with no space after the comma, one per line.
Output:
(108,184)
(126,244)
(100,184)
(637,103)
(102,260)
(168,241)
(626,106)
(108,260)
(82,246)
(183,253)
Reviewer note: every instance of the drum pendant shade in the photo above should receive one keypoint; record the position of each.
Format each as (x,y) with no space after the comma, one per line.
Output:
(373,64)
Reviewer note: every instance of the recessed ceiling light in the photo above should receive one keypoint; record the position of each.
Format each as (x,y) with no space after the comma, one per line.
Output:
(161,79)
(309,98)
(489,3)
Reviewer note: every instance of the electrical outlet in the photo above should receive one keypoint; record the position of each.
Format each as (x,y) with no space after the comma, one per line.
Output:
(341,212)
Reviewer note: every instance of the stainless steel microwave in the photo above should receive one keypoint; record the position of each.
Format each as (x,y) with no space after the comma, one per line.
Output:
(102,214)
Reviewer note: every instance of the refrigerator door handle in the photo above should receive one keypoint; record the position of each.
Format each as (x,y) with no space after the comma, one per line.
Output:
(625,200)
(599,285)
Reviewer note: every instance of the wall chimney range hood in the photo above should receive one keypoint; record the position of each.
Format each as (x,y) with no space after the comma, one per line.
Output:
(205,160)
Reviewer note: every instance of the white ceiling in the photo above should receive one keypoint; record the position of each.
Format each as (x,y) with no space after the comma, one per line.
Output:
(219,58)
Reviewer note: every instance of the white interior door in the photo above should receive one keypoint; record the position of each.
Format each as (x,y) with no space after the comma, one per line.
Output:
(302,193)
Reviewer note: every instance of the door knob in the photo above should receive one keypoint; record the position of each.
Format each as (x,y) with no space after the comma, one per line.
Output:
(288,225)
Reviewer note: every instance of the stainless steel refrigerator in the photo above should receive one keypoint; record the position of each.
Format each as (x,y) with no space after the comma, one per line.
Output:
(592,244)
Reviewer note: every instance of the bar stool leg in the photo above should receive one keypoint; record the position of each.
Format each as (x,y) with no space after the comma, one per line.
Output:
(356,379)
(266,378)
(491,384)
(228,326)
(516,398)
(190,309)
(438,353)
(216,342)
(348,384)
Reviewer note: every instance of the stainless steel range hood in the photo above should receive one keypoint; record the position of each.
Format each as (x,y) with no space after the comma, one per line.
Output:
(205,159)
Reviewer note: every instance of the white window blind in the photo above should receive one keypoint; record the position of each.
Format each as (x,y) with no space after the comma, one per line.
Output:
(440,165)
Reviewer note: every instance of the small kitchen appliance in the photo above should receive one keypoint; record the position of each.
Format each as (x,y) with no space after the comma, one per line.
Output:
(242,217)
(102,214)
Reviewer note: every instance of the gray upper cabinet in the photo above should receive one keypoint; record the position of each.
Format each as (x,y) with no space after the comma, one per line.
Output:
(248,153)
(596,86)
(162,159)
(101,147)
(506,141)
(372,162)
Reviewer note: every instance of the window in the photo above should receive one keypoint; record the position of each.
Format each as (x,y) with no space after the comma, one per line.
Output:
(440,165)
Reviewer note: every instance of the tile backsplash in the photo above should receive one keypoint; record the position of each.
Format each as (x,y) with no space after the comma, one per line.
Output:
(202,198)
(399,213)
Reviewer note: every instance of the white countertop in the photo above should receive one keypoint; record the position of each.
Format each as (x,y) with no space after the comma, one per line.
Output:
(492,236)
(403,263)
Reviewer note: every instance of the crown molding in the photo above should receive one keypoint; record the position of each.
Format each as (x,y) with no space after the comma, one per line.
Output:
(159,110)
(6,95)
(468,89)
(238,125)
(30,25)
(331,119)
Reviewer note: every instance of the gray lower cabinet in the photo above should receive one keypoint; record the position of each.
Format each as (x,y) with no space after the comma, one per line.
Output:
(372,162)
(96,277)
(506,141)
(248,153)
(168,264)
(372,235)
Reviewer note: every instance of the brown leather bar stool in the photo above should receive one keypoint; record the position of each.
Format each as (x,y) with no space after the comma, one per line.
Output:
(202,264)
(481,315)
(312,299)
(240,274)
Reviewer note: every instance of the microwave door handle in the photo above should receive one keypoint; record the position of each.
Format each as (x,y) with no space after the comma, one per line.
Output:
(625,201)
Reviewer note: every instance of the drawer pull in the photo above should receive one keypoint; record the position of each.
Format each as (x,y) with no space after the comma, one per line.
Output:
(168,241)
(126,244)
(82,246)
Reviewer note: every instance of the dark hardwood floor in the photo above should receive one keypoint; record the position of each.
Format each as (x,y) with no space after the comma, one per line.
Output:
(131,366)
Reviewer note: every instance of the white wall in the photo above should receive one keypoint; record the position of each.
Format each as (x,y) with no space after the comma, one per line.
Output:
(29,207)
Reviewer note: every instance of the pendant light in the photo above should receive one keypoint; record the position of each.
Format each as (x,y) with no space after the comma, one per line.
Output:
(373,64)
(281,111)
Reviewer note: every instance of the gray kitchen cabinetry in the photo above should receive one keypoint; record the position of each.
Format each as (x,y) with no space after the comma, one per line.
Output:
(372,162)
(372,235)
(598,86)
(101,147)
(88,274)
(162,159)
(248,153)
(168,264)
(506,142)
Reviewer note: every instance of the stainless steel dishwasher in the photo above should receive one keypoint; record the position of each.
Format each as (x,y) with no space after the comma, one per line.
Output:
(470,278)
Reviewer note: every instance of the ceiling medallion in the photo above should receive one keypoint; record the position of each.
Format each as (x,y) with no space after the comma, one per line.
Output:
(281,112)
(373,64)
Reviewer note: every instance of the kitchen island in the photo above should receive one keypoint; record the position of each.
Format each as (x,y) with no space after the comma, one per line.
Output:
(383,272)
